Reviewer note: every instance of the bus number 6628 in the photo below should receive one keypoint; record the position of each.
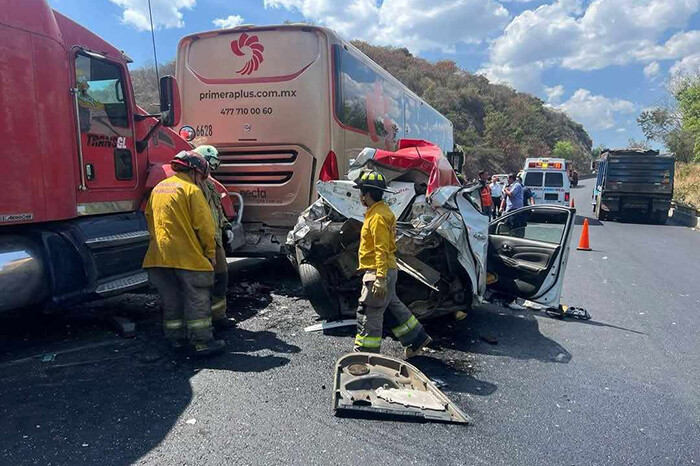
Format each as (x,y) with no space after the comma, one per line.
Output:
(203,130)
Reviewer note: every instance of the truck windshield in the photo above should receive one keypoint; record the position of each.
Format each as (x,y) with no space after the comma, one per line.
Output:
(554,180)
(533,179)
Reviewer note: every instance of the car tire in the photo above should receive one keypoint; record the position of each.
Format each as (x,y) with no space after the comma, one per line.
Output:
(316,290)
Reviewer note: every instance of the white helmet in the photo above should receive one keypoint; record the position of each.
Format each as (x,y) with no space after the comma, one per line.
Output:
(210,154)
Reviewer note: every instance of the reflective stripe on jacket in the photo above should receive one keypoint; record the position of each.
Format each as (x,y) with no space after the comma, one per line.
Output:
(378,240)
(181,227)
(217,210)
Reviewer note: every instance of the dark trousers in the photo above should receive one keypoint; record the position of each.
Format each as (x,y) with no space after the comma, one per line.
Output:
(185,297)
(372,313)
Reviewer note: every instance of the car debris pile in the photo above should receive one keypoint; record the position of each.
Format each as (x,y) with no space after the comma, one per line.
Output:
(378,384)
(442,274)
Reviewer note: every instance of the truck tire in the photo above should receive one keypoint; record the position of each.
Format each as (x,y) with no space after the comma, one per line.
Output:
(599,213)
(659,217)
(314,285)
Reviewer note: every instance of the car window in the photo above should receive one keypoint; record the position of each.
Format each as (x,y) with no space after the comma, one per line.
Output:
(544,226)
(533,179)
(554,180)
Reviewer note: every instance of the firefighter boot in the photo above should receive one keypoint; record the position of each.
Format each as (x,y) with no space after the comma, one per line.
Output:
(410,351)
(208,348)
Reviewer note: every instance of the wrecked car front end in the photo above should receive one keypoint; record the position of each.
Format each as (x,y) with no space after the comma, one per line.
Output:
(441,237)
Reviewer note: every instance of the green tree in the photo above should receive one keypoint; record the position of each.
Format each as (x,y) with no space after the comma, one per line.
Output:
(688,97)
(677,123)
(563,150)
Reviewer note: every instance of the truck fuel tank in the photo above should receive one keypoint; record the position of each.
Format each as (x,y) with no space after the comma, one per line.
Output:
(22,273)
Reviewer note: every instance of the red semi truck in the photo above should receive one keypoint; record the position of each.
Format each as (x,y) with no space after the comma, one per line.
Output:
(78,158)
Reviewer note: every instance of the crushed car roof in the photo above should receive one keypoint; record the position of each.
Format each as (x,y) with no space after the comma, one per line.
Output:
(417,154)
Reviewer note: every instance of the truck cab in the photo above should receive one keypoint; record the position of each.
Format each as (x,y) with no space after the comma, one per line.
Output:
(79,159)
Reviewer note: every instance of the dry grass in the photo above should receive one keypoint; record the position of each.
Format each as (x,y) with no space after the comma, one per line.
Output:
(687,184)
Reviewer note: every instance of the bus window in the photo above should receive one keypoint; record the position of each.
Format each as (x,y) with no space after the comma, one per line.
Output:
(554,180)
(364,98)
(534,179)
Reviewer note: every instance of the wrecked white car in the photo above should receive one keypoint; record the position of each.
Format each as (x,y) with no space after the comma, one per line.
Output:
(448,252)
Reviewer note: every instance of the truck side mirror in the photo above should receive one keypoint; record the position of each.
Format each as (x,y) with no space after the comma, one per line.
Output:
(169,102)
(456,159)
(594,164)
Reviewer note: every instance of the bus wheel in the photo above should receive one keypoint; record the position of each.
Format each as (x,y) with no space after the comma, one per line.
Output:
(314,285)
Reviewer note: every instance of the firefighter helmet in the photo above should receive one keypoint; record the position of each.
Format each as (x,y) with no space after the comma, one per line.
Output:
(210,154)
(371,180)
(187,160)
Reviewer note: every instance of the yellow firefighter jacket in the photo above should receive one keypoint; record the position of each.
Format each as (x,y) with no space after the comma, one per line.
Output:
(181,227)
(217,210)
(378,240)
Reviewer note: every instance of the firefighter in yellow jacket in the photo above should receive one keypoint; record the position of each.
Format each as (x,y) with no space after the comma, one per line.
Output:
(181,254)
(222,230)
(378,300)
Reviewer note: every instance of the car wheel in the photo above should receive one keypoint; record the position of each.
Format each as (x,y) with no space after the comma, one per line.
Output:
(312,280)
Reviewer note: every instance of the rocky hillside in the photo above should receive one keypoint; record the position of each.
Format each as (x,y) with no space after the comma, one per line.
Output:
(497,126)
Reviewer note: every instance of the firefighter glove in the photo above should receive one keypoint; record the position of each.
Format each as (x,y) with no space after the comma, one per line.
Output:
(380,288)
(229,236)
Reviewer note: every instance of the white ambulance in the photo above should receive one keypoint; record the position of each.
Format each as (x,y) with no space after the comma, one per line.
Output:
(548,180)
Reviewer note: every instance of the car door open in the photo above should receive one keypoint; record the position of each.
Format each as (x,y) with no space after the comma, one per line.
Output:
(528,251)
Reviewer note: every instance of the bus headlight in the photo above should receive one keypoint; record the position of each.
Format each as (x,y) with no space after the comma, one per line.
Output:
(187,133)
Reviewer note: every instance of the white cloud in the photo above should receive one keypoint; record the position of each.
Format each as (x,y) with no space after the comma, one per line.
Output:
(554,94)
(688,65)
(679,45)
(652,70)
(607,32)
(595,111)
(416,24)
(621,130)
(526,78)
(166,13)
(231,21)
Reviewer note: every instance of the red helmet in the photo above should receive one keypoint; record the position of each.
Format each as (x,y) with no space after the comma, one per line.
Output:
(187,160)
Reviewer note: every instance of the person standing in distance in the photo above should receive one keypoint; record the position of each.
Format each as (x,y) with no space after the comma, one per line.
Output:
(496,193)
(378,300)
(182,254)
(513,193)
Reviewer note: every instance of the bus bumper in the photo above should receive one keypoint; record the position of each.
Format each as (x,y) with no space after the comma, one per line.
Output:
(262,241)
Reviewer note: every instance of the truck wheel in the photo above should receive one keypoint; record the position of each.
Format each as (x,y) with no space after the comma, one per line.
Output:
(599,213)
(659,217)
(315,288)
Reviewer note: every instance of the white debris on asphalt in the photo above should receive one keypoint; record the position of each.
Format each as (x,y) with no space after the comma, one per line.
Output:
(191,422)
(330,325)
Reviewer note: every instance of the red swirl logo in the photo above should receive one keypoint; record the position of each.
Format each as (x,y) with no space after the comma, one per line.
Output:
(248,46)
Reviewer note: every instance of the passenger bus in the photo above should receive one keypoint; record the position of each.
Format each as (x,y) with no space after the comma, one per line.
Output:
(286,105)
(548,179)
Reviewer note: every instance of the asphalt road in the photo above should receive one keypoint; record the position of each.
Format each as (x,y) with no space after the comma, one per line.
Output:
(623,388)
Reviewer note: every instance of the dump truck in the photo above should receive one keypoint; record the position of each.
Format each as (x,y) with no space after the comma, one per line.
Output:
(79,159)
(633,184)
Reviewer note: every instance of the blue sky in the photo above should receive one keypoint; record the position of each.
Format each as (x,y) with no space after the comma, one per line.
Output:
(600,61)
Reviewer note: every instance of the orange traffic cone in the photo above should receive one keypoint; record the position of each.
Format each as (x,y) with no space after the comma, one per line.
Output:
(583,244)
